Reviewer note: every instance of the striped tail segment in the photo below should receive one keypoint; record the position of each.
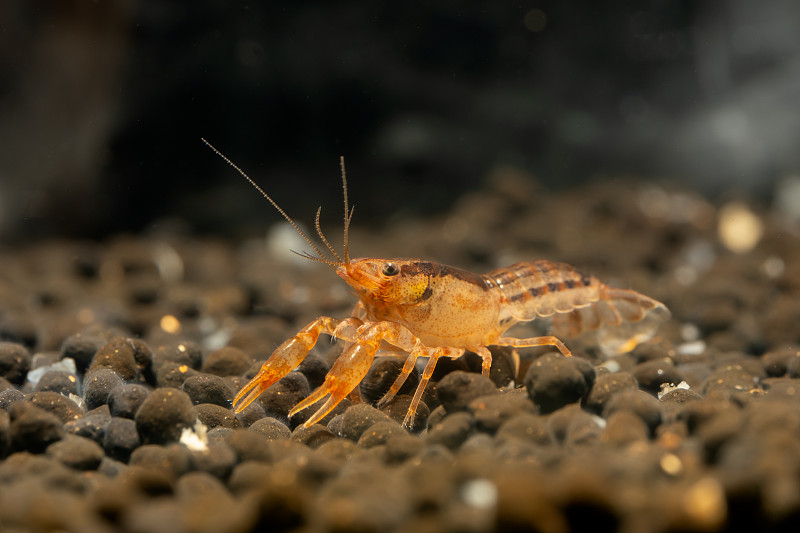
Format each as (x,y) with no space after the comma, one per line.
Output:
(578,303)
(542,288)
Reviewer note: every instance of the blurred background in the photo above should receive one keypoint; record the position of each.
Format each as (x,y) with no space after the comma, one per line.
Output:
(103,104)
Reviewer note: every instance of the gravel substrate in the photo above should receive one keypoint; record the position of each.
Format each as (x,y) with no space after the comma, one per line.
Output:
(120,361)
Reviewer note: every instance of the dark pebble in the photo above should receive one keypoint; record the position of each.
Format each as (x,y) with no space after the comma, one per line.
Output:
(673,402)
(358,418)
(81,349)
(402,447)
(316,470)
(452,431)
(173,459)
(776,362)
(719,430)
(584,431)
(729,380)
(649,352)
(218,433)
(205,488)
(560,420)
(218,459)
(164,415)
(282,396)
(638,402)
(91,426)
(793,366)
(382,374)
(694,414)
(606,386)
(554,381)
(228,361)
(528,427)
(121,438)
(5,385)
(680,396)
(119,355)
(656,372)
(436,416)
(249,477)
(172,374)
(98,385)
(208,388)
(313,436)
(502,371)
(111,468)
(33,429)
(20,329)
(58,381)
(587,370)
(271,428)
(59,405)
(77,452)
(184,353)
(741,361)
(380,433)
(10,397)
(250,445)
(215,416)
(336,424)
(124,401)
(490,412)
(397,408)
(15,362)
(457,389)
(624,428)
(782,389)
(314,368)
(251,414)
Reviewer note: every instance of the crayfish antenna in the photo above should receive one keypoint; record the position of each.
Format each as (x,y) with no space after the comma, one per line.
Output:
(348,214)
(320,257)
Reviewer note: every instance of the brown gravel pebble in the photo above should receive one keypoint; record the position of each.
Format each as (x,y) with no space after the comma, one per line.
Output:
(490,412)
(227,361)
(638,402)
(654,373)
(249,445)
(458,389)
(554,381)
(380,433)
(208,388)
(397,408)
(528,427)
(98,385)
(452,431)
(77,452)
(59,405)
(358,418)
(606,386)
(279,399)
(214,416)
(15,361)
(313,436)
(32,428)
(164,415)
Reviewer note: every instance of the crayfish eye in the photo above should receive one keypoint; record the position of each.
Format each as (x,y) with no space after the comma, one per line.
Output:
(390,269)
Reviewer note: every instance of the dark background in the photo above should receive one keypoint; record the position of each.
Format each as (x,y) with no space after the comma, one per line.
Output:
(102,104)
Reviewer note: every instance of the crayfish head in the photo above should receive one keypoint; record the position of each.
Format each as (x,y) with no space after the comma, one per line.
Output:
(390,282)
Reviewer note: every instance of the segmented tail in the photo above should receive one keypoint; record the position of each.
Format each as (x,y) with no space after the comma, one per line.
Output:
(619,320)
(577,304)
